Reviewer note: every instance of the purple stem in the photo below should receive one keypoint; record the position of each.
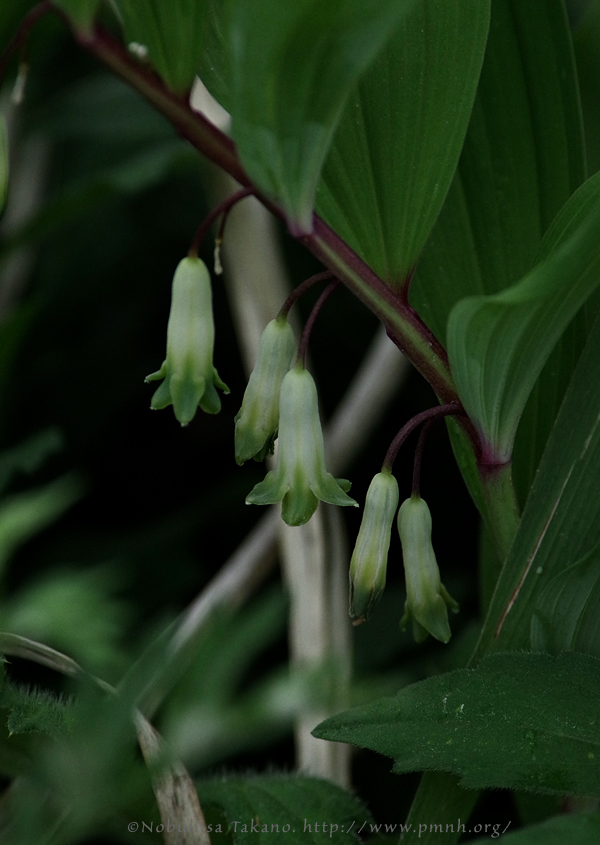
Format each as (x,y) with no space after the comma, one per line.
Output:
(20,36)
(301,289)
(419,456)
(303,345)
(451,409)
(223,208)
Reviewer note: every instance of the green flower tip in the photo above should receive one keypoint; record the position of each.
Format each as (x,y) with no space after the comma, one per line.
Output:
(190,379)
(427,600)
(299,479)
(257,421)
(369,559)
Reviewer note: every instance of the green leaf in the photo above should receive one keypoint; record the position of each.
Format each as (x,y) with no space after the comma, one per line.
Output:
(29,455)
(214,69)
(172,33)
(293,66)
(81,12)
(498,344)
(298,809)
(523,158)
(25,514)
(402,130)
(518,721)
(35,710)
(565,616)
(560,526)
(582,829)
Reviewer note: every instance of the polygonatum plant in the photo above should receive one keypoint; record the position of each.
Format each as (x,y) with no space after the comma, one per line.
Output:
(430,155)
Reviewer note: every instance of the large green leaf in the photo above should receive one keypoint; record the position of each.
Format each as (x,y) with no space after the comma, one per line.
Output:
(519,721)
(277,808)
(172,33)
(550,573)
(398,143)
(523,158)
(498,344)
(293,66)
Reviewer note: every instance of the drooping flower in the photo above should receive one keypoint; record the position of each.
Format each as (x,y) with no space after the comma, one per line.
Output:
(257,421)
(369,559)
(300,478)
(189,376)
(427,600)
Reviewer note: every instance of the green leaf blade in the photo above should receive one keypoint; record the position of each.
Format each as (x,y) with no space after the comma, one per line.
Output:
(81,12)
(293,66)
(172,33)
(268,808)
(523,158)
(399,140)
(519,721)
(559,530)
(498,345)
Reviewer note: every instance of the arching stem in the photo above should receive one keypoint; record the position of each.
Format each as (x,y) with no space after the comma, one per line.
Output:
(303,345)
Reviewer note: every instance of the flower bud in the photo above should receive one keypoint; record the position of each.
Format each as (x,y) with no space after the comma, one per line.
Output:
(257,421)
(369,559)
(299,479)
(189,376)
(427,600)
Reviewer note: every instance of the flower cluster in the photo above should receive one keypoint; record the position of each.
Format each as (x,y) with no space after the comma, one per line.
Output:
(300,478)
(280,402)
(427,600)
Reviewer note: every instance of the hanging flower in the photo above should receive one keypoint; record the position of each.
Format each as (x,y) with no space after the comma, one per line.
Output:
(427,600)
(300,478)
(257,421)
(188,372)
(369,559)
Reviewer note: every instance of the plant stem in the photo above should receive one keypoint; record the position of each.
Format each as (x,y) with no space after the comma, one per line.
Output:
(20,36)
(301,289)
(416,485)
(502,508)
(303,345)
(223,208)
(453,408)
(403,325)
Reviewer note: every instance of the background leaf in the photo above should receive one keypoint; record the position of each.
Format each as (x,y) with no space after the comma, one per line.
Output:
(293,66)
(172,33)
(300,803)
(519,721)
(399,139)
